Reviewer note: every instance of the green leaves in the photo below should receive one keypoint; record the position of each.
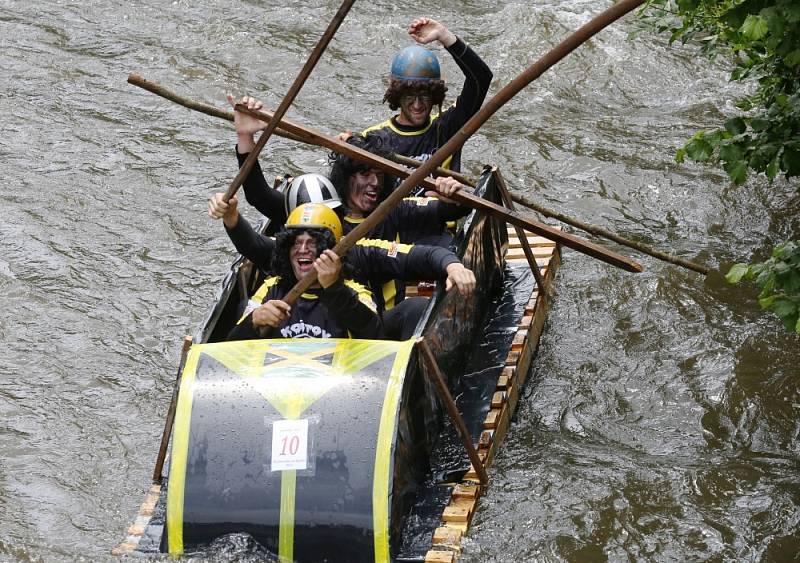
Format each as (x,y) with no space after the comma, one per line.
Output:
(699,149)
(791,162)
(735,126)
(737,272)
(754,28)
(737,172)
(779,281)
(762,38)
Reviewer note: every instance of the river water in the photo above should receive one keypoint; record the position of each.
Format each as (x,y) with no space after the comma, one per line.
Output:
(661,417)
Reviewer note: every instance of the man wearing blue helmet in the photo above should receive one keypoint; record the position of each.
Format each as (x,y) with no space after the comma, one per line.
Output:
(416,86)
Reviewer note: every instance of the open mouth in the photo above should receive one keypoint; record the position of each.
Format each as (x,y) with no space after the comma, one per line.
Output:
(305,264)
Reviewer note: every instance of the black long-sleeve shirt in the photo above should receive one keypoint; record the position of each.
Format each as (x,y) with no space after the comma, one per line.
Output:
(342,310)
(382,265)
(420,142)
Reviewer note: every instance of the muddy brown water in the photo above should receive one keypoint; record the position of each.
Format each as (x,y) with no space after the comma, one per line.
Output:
(660,418)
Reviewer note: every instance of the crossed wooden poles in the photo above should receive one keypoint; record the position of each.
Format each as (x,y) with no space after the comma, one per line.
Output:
(420,176)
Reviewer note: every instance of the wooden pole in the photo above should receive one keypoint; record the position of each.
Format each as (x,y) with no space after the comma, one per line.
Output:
(452,409)
(310,136)
(307,135)
(601,232)
(208,109)
(418,177)
(248,164)
(569,220)
(522,236)
(162,450)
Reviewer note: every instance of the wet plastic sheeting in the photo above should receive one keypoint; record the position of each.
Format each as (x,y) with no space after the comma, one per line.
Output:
(247,412)
(470,340)
(454,322)
(473,393)
(475,388)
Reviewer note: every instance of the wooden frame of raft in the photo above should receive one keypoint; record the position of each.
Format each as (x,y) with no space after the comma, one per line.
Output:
(457,515)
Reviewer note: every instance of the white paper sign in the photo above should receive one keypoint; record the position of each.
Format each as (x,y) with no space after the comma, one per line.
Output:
(289,444)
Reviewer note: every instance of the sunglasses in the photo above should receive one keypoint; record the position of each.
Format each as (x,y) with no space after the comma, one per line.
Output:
(410,98)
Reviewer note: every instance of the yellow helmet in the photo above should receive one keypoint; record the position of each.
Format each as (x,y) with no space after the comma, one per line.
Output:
(315,216)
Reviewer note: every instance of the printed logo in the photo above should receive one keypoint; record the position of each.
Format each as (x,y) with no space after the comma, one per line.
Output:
(303,330)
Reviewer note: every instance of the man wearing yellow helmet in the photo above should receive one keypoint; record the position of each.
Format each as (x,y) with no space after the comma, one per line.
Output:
(372,262)
(332,308)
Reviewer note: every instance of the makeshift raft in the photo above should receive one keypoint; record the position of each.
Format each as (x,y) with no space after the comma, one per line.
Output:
(338,450)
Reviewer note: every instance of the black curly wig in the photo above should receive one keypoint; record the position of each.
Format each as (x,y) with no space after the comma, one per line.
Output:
(281,264)
(436,89)
(343,167)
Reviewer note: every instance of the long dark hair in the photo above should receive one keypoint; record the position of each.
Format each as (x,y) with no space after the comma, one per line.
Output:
(343,167)
(398,88)
(281,264)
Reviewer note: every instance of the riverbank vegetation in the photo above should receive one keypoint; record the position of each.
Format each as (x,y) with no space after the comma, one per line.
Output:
(761,39)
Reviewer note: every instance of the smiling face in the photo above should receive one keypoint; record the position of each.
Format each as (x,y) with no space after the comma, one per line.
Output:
(364,189)
(302,254)
(415,109)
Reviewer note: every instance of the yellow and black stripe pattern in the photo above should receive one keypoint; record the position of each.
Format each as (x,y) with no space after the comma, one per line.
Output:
(230,395)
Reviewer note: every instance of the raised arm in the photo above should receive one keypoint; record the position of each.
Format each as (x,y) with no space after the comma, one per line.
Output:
(477,78)
(250,244)
(258,193)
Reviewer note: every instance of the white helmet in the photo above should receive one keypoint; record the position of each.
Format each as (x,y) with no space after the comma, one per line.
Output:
(311,188)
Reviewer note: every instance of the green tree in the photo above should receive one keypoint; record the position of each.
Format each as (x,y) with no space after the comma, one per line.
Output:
(761,38)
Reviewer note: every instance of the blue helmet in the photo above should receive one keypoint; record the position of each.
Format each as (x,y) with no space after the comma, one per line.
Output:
(415,63)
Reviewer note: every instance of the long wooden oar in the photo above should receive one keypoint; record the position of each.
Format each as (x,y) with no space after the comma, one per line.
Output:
(596,230)
(605,233)
(245,169)
(306,134)
(447,399)
(571,241)
(162,450)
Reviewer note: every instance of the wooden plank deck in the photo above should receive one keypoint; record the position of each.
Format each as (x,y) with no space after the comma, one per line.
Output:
(136,530)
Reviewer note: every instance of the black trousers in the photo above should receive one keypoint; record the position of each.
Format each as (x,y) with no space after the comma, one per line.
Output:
(400,321)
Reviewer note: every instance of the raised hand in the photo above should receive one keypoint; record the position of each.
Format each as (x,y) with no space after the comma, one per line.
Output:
(426,30)
(219,209)
(246,125)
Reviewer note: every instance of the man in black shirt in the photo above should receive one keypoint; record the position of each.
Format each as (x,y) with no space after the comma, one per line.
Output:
(332,307)
(416,86)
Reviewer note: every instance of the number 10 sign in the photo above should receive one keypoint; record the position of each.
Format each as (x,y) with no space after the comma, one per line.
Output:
(289,444)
